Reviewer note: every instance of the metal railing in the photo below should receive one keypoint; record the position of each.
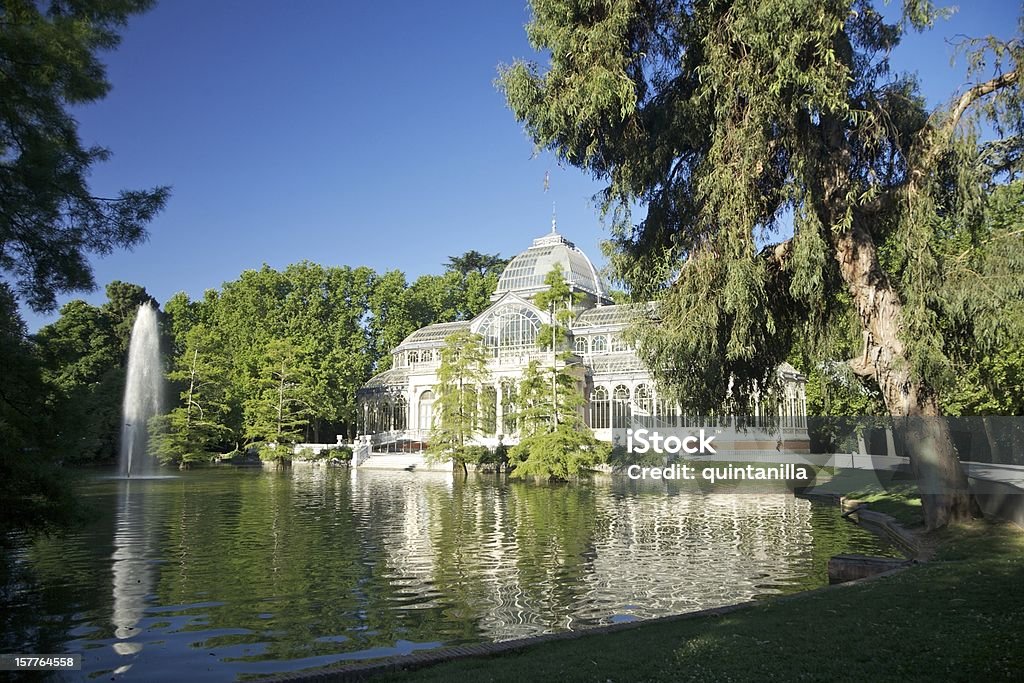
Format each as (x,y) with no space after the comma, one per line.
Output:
(362,451)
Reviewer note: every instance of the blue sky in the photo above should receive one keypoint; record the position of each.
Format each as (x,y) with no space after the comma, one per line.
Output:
(351,134)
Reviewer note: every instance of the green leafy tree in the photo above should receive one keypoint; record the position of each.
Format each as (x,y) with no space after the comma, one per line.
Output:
(327,311)
(393,315)
(181,314)
(35,494)
(990,381)
(122,306)
(993,385)
(476,294)
(558,299)
(324,309)
(554,441)
(476,278)
(49,219)
(398,308)
(457,414)
(475,262)
(725,118)
(198,428)
(279,410)
(557,454)
(343,346)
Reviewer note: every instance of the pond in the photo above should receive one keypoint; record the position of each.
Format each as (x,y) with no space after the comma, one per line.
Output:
(225,572)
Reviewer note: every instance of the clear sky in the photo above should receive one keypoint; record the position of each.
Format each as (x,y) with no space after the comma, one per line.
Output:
(351,133)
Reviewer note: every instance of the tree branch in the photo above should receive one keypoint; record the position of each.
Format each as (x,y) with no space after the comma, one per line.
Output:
(977,92)
(778,254)
(862,367)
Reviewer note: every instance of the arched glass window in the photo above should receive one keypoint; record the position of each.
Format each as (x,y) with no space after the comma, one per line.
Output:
(401,408)
(511,331)
(580,346)
(599,344)
(426,408)
(620,407)
(373,425)
(414,357)
(426,356)
(618,343)
(600,406)
(643,400)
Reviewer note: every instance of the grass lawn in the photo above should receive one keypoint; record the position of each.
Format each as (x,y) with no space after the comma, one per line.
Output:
(958,617)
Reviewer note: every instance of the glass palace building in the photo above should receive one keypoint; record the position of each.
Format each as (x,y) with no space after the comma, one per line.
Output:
(618,390)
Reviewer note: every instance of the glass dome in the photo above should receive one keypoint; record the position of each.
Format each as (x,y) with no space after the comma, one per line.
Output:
(526,272)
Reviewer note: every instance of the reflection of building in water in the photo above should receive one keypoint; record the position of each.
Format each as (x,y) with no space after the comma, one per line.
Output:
(400,500)
(133,578)
(666,554)
(519,561)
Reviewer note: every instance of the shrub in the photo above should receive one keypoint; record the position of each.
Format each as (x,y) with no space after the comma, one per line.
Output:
(342,453)
(273,452)
(477,454)
(558,455)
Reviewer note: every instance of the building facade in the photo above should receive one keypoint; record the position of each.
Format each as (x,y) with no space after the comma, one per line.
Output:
(619,390)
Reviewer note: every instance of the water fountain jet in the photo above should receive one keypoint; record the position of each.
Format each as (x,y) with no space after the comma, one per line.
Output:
(142,394)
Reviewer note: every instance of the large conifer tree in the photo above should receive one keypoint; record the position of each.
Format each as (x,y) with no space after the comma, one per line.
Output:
(50,221)
(724,118)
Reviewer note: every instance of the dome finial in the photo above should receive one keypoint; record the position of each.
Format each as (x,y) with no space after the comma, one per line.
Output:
(554,219)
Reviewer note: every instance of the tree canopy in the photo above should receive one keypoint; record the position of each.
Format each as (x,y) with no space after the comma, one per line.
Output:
(50,221)
(475,262)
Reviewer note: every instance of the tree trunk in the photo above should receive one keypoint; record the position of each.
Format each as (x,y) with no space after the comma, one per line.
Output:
(995,454)
(945,497)
(191,389)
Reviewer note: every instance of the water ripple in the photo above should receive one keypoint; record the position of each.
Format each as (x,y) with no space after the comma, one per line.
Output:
(230,572)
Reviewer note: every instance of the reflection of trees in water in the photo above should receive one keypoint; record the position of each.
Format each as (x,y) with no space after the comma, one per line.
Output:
(286,566)
(33,598)
(556,528)
(282,557)
(398,514)
(511,560)
(481,559)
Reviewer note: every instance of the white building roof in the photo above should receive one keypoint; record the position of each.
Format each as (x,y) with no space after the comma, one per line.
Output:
(435,333)
(526,272)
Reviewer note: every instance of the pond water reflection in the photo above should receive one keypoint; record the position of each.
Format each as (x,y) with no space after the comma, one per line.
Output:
(228,572)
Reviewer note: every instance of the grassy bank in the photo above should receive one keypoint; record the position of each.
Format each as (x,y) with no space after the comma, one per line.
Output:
(960,617)
(881,491)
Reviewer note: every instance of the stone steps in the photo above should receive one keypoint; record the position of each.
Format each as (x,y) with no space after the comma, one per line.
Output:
(403,461)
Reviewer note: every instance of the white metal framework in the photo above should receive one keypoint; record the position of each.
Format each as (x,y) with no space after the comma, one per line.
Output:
(511,330)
